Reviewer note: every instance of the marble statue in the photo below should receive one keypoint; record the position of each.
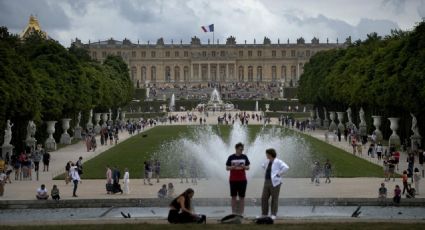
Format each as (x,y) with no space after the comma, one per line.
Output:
(362,125)
(89,125)
(415,128)
(350,118)
(31,129)
(362,118)
(8,133)
(78,119)
(118,114)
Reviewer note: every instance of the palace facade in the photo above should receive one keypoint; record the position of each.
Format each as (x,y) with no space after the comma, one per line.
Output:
(178,64)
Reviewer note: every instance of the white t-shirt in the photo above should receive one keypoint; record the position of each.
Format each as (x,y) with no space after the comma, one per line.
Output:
(42,192)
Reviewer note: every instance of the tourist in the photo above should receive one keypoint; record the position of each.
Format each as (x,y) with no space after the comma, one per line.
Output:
(328,170)
(194,172)
(379,150)
(126,179)
(182,171)
(55,193)
(75,176)
(2,182)
(274,169)
(386,168)
(353,144)
(170,190)
(396,155)
(111,136)
(42,193)
(382,192)
(180,209)
(391,168)
(36,157)
(116,137)
(316,173)
(359,148)
(148,172)
(79,166)
(88,142)
(162,193)
(416,180)
(237,164)
(371,150)
(93,143)
(9,170)
(116,187)
(397,194)
(108,180)
(404,179)
(46,161)
(157,167)
(67,168)
(410,165)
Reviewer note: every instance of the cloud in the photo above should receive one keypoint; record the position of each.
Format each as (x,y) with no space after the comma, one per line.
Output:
(180,20)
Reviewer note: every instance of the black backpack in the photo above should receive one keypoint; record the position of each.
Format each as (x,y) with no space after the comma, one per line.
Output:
(232,219)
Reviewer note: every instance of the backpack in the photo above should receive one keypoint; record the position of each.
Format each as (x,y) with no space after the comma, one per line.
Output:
(264,220)
(231,219)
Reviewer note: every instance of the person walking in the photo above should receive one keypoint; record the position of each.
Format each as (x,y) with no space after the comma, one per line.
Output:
(157,167)
(328,170)
(416,180)
(46,160)
(108,180)
(237,164)
(126,181)
(274,169)
(75,176)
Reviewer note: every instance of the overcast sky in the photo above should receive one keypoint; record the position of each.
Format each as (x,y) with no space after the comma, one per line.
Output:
(147,20)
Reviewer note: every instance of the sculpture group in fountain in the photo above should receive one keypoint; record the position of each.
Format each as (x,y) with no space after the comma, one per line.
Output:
(216,104)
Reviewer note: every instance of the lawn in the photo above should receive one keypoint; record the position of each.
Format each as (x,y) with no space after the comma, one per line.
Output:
(289,226)
(134,151)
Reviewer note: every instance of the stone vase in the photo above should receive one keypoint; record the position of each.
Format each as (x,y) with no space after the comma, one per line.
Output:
(341,126)
(267,107)
(394,138)
(104,120)
(333,125)
(65,137)
(50,143)
(377,124)
(96,123)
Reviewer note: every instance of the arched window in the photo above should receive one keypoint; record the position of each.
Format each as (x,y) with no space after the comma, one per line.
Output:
(186,73)
(177,74)
(153,74)
(143,73)
(273,73)
(283,73)
(133,73)
(259,73)
(241,73)
(250,74)
(167,74)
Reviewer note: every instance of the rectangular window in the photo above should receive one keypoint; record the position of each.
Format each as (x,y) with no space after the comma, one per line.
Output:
(186,54)
(249,53)
(176,54)
(213,53)
(292,53)
(273,53)
(283,53)
(204,53)
(133,54)
(307,53)
(259,53)
(104,54)
(143,53)
(241,53)
(167,53)
(222,53)
(153,54)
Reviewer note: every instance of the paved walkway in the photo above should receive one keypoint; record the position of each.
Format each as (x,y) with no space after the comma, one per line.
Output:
(292,187)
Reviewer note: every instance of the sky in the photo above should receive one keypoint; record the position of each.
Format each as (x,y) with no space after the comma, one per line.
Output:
(147,20)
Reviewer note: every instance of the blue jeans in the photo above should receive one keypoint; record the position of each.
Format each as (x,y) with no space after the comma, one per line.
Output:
(75,187)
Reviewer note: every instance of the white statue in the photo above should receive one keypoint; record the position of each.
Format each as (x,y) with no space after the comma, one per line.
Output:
(362,118)
(118,114)
(8,133)
(31,129)
(415,128)
(78,119)
(350,118)
(326,113)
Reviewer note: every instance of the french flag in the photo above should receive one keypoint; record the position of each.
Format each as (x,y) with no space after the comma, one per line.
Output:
(209,28)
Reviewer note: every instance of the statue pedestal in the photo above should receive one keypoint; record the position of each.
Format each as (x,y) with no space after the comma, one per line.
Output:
(77,133)
(97,129)
(7,149)
(326,123)
(318,122)
(65,139)
(363,129)
(50,144)
(415,142)
(31,142)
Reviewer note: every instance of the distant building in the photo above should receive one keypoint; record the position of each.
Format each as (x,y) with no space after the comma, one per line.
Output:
(178,64)
(33,26)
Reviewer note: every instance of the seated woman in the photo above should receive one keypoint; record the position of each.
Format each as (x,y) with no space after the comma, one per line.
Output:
(55,193)
(162,193)
(180,211)
(42,193)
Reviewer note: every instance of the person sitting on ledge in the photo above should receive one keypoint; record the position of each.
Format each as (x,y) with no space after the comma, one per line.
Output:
(55,193)
(180,209)
(162,193)
(42,193)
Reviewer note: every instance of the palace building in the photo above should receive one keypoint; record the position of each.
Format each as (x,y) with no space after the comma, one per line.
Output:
(178,64)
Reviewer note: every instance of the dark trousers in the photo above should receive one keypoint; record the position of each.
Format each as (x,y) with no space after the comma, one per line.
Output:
(405,188)
(75,187)
(270,191)
(174,217)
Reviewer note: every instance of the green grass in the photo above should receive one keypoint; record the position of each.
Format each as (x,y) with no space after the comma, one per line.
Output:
(289,226)
(135,150)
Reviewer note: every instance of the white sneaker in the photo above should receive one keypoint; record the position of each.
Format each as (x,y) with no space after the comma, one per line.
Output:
(273,217)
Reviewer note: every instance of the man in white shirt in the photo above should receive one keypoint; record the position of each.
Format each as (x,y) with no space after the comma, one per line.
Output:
(75,176)
(42,193)
(274,169)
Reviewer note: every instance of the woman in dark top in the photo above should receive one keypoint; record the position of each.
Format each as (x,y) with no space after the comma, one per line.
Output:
(180,209)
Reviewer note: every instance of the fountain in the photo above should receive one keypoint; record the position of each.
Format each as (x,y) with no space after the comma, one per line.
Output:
(216,104)
(207,148)
(256,106)
(172,103)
